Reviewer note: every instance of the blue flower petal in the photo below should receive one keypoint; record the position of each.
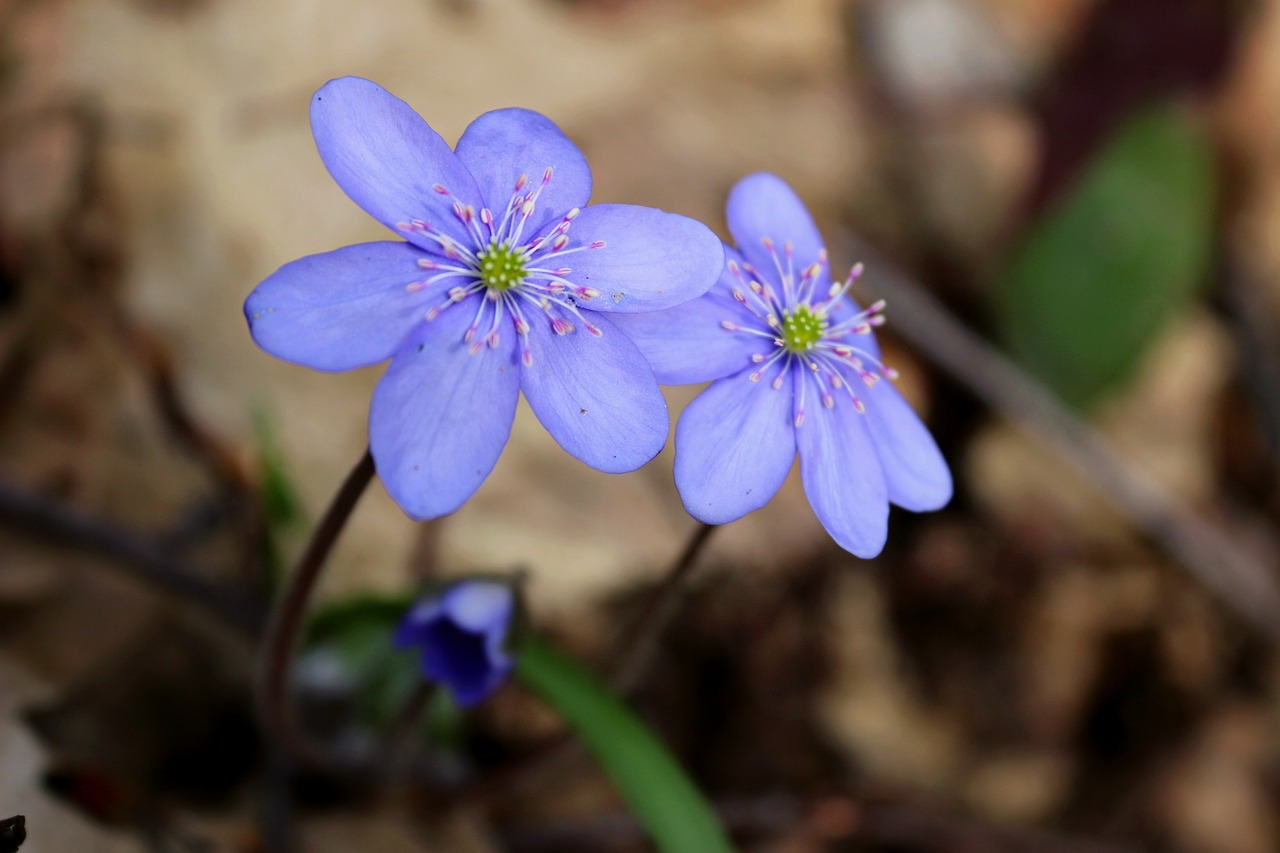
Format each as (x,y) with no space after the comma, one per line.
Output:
(441,416)
(735,444)
(419,618)
(595,395)
(459,659)
(479,605)
(650,259)
(688,344)
(388,160)
(501,146)
(339,310)
(917,476)
(842,475)
(846,309)
(762,205)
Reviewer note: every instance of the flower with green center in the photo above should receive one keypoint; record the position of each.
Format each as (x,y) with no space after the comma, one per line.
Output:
(505,283)
(797,371)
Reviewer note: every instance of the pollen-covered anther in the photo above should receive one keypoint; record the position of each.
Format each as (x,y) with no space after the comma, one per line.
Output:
(439,189)
(526,357)
(777,382)
(572,214)
(828,400)
(522,328)
(757,358)
(740,296)
(521,182)
(890,374)
(594,330)
(560,242)
(587,293)
(858,406)
(598,244)
(799,418)
(728,326)
(756,376)
(493,340)
(546,175)
(457,294)
(414,286)
(561,326)
(428,264)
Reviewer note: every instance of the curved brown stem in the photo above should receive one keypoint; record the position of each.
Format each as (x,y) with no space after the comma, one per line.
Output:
(275,662)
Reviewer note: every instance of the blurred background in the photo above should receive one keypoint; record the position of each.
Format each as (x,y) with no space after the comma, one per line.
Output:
(1079,653)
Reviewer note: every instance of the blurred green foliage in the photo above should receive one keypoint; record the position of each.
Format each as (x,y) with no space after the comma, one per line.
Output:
(1120,253)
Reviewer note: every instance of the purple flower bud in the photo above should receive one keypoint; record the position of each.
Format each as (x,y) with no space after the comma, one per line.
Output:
(462,632)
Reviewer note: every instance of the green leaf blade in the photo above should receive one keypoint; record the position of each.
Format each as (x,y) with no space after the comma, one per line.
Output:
(1099,276)
(655,788)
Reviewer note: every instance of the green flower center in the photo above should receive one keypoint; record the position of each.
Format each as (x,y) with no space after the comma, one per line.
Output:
(501,267)
(802,329)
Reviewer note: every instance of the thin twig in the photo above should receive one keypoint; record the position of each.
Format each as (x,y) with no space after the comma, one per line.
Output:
(1203,549)
(641,641)
(62,526)
(274,684)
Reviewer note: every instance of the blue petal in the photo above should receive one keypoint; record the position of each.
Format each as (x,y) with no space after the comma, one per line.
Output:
(419,618)
(735,444)
(501,146)
(482,606)
(846,309)
(457,658)
(595,395)
(650,259)
(386,158)
(762,205)
(339,310)
(441,416)
(688,344)
(918,477)
(842,474)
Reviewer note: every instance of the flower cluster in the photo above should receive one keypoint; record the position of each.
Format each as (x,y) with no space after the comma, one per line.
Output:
(507,282)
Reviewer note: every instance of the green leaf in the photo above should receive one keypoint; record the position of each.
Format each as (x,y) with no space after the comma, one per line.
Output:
(1107,267)
(657,791)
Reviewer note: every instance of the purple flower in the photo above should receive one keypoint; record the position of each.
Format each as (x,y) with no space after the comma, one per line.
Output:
(797,370)
(503,285)
(462,634)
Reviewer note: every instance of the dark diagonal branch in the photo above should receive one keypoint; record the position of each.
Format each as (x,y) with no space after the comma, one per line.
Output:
(1207,552)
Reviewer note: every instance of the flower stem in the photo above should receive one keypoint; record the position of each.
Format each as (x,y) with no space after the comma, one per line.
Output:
(641,641)
(275,662)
